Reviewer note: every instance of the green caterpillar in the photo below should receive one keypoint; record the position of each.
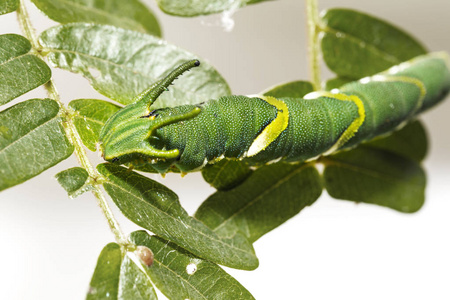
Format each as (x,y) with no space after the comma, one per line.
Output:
(264,129)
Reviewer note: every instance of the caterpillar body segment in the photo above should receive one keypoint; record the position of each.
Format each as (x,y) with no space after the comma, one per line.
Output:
(311,130)
(263,129)
(399,94)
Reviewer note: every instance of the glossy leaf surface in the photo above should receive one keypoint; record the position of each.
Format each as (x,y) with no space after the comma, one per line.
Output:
(120,63)
(268,198)
(129,14)
(192,8)
(19,70)
(375,176)
(182,275)
(105,281)
(7,6)
(226,174)
(356,45)
(154,207)
(90,118)
(293,89)
(118,277)
(134,283)
(73,180)
(32,140)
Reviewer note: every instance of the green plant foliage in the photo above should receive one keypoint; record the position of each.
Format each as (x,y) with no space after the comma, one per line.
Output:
(91,115)
(129,14)
(226,174)
(156,208)
(115,44)
(375,176)
(32,129)
(73,180)
(105,281)
(293,89)
(20,71)
(336,83)
(120,63)
(117,276)
(7,6)
(268,198)
(182,275)
(356,45)
(192,8)
(410,142)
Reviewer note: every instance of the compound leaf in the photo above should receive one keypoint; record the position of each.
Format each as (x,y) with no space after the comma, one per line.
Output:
(121,63)
(130,14)
(293,89)
(375,176)
(154,207)
(32,140)
(269,197)
(226,174)
(91,115)
(20,71)
(356,45)
(182,275)
(117,276)
(192,8)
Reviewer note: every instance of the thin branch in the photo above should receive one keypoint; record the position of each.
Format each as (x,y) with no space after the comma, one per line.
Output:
(313,43)
(70,129)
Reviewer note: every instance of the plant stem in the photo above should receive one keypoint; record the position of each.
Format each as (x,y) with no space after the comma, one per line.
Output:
(25,24)
(312,13)
(70,129)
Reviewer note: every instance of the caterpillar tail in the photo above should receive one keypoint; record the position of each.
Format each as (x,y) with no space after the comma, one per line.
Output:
(151,95)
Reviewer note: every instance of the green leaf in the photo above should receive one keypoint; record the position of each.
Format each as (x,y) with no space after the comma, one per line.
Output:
(192,8)
(134,283)
(156,208)
(293,89)
(20,71)
(7,6)
(130,14)
(336,83)
(120,63)
(32,140)
(375,176)
(148,168)
(269,197)
(90,118)
(105,281)
(226,174)
(410,141)
(356,45)
(118,277)
(73,180)
(182,275)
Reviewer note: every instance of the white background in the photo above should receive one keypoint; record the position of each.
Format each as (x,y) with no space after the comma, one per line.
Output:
(335,249)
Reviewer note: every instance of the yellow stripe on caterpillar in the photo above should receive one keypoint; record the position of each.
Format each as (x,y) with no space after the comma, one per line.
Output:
(271,132)
(354,126)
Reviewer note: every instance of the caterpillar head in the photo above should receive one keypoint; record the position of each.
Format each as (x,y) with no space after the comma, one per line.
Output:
(126,136)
